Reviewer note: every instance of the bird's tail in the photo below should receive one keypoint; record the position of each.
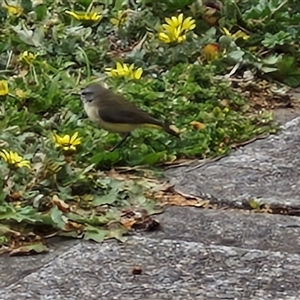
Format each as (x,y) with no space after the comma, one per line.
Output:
(159,125)
(169,130)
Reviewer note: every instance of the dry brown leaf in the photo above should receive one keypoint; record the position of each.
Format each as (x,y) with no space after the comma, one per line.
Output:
(62,205)
(128,223)
(139,219)
(71,226)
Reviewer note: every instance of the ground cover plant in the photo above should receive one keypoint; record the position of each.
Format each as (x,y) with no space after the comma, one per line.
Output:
(172,58)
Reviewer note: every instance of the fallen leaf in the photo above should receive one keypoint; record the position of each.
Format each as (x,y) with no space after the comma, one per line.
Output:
(128,223)
(5,230)
(71,226)
(62,205)
(30,249)
(94,233)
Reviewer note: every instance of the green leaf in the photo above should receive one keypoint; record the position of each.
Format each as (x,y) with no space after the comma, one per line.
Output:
(118,4)
(27,5)
(103,157)
(95,234)
(53,88)
(152,158)
(280,38)
(236,55)
(57,218)
(110,198)
(118,234)
(272,59)
(292,81)
(25,214)
(91,219)
(266,69)
(41,12)
(36,248)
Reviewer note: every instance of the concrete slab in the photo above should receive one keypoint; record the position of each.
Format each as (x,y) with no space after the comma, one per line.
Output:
(200,254)
(267,169)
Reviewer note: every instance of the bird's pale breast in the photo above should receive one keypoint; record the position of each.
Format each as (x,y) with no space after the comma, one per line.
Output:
(92,112)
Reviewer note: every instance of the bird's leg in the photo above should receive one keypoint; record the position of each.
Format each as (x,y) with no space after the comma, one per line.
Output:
(124,138)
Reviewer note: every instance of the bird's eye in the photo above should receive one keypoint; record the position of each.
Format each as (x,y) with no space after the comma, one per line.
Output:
(86,93)
(87,96)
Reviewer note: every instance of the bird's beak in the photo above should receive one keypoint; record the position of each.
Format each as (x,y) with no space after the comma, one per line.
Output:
(76,94)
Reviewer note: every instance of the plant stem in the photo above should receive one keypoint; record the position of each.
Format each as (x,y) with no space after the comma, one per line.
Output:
(7,178)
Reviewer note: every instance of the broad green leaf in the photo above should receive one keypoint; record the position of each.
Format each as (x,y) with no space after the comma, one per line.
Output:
(96,234)
(36,248)
(272,59)
(90,219)
(41,12)
(109,198)
(292,81)
(236,55)
(118,234)
(27,5)
(57,217)
(152,158)
(266,69)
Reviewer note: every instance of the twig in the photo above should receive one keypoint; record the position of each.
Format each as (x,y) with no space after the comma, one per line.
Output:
(9,59)
(275,10)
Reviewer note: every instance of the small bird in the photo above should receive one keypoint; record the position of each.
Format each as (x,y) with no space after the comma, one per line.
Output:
(113,113)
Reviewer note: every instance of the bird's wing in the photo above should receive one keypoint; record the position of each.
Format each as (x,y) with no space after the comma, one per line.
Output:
(123,116)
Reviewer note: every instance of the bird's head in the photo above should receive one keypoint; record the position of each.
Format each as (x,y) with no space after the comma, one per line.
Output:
(92,93)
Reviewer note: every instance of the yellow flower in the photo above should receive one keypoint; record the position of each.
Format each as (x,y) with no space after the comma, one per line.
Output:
(20,93)
(175,29)
(14,159)
(125,70)
(3,87)
(120,19)
(236,35)
(85,16)
(27,57)
(66,142)
(12,10)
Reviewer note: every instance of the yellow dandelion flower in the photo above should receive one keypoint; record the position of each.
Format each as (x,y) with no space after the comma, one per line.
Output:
(125,70)
(174,21)
(137,74)
(14,159)
(3,87)
(175,29)
(164,37)
(188,24)
(67,142)
(12,10)
(85,16)
(27,57)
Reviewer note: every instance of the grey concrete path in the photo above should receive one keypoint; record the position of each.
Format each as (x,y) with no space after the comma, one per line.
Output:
(268,169)
(199,254)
